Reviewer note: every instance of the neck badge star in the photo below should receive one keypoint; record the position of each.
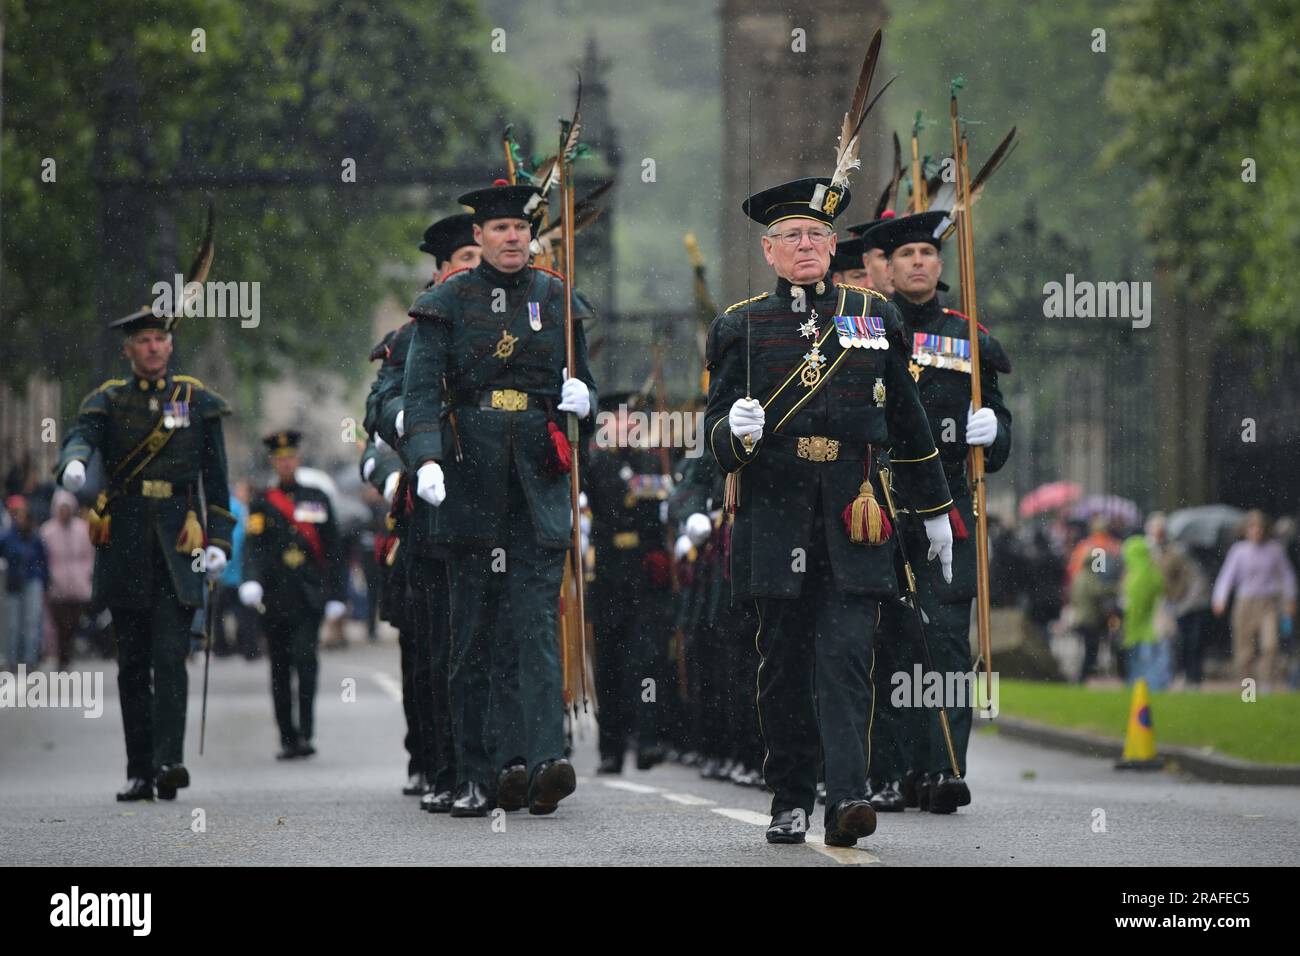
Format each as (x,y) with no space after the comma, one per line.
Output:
(809,329)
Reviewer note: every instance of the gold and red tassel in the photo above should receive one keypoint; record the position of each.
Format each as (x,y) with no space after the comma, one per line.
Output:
(100,523)
(191,535)
(864,519)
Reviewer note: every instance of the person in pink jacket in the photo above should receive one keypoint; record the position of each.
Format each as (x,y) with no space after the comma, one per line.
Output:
(71,559)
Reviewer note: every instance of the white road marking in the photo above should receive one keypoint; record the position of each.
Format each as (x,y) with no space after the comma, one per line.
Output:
(629,787)
(851,856)
(745,816)
(689,799)
(389,684)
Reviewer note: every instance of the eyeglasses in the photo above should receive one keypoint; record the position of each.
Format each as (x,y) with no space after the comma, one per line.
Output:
(818,237)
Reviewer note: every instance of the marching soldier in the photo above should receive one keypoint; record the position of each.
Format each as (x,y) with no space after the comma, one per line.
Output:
(160,436)
(489,348)
(426,647)
(629,598)
(806,381)
(911,742)
(295,566)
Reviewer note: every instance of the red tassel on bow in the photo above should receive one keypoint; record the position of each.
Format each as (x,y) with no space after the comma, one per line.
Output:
(559,458)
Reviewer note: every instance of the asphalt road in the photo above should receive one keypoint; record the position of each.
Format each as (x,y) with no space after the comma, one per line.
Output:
(59,771)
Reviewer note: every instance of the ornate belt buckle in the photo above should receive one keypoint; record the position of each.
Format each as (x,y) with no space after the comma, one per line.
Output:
(818,448)
(509,400)
(155,488)
(626,539)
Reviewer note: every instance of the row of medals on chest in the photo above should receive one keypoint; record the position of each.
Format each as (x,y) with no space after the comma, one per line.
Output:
(814,360)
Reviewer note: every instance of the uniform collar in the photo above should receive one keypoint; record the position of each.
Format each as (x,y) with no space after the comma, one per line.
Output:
(785,289)
(918,316)
(142,384)
(509,280)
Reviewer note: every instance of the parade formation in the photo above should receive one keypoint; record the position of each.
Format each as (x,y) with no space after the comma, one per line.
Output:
(826,540)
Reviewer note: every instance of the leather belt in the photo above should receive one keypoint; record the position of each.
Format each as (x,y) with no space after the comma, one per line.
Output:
(816,448)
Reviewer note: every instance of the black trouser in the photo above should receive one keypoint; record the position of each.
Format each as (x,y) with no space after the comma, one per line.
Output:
(292,647)
(430,644)
(814,686)
(707,672)
(504,632)
(629,628)
(152,644)
(1191,636)
(736,628)
(1092,636)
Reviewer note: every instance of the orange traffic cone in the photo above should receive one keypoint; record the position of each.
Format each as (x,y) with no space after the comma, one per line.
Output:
(1140,739)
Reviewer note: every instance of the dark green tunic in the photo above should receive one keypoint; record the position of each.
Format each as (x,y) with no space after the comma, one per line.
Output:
(117,420)
(454,362)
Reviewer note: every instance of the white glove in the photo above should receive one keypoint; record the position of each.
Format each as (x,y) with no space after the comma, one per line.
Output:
(74,476)
(390,486)
(334,610)
(368,468)
(250,594)
(582,500)
(698,528)
(746,418)
(574,396)
(380,444)
(939,531)
(682,547)
(429,483)
(214,559)
(399,424)
(981,426)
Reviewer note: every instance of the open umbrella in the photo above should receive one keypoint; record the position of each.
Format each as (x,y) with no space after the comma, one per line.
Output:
(1119,511)
(1203,527)
(1049,497)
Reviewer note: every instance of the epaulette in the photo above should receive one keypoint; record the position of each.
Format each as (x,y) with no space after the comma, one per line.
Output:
(731,308)
(864,289)
(966,318)
(111,383)
(190,379)
(547,271)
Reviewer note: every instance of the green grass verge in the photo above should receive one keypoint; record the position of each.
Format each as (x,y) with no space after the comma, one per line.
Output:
(1266,731)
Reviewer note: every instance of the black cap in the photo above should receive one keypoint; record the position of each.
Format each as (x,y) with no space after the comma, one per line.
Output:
(922,227)
(283,443)
(810,198)
(502,201)
(848,255)
(143,319)
(444,237)
(863,228)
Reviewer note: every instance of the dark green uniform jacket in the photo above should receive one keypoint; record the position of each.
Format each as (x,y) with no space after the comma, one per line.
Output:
(295,581)
(870,399)
(474,332)
(117,420)
(946,394)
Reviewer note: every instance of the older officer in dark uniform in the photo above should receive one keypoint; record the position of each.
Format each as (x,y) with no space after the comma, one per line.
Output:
(489,346)
(160,437)
(827,371)
(911,742)
(295,565)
